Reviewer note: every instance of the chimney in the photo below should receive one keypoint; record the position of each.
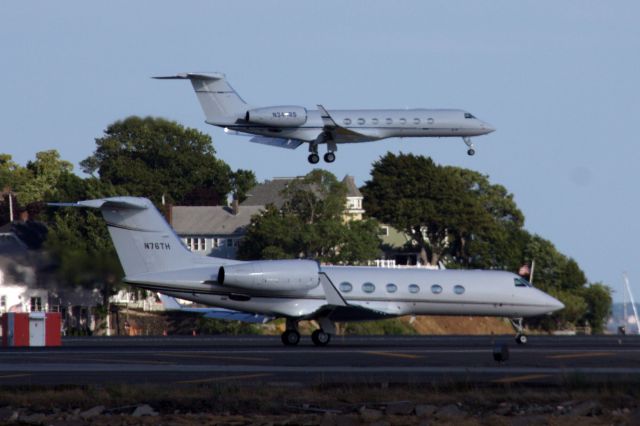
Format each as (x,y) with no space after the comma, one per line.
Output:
(235,206)
(169,210)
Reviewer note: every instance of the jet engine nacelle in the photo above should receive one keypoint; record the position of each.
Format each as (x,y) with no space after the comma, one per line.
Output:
(278,116)
(271,275)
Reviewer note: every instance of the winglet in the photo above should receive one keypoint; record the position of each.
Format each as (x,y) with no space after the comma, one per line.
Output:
(333,297)
(326,116)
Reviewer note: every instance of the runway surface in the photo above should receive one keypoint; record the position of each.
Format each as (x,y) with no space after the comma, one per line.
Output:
(264,360)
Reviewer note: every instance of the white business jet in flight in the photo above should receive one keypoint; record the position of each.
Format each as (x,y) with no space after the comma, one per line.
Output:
(290,126)
(154,258)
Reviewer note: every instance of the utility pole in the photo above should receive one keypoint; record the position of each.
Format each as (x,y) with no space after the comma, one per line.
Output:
(10,208)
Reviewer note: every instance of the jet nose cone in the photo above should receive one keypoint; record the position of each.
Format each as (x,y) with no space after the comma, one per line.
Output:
(488,127)
(554,304)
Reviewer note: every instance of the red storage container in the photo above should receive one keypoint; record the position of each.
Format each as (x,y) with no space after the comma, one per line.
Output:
(53,329)
(15,329)
(31,329)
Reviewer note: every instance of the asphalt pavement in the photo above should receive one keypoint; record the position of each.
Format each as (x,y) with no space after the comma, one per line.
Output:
(260,360)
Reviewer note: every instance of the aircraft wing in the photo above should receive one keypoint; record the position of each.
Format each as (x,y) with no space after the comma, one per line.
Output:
(339,133)
(279,142)
(171,304)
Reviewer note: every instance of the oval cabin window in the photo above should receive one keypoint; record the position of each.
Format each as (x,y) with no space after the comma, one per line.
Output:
(414,288)
(346,287)
(458,289)
(436,289)
(392,288)
(368,287)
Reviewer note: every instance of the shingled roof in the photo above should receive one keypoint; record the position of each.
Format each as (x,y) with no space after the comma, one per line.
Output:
(211,220)
(268,192)
(352,189)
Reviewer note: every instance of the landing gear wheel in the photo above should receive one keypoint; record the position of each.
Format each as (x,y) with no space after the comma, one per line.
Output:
(329,157)
(471,151)
(521,339)
(313,158)
(290,338)
(320,338)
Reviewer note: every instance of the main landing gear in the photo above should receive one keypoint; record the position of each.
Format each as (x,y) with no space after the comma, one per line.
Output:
(467,141)
(320,337)
(329,157)
(521,338)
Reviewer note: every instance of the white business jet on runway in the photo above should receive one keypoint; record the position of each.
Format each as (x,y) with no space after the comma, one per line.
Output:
(290,126)
(154,258)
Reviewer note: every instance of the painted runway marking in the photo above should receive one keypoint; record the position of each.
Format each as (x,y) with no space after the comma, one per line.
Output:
(218,379)
(128,361)
(210,356)
(515,379)
(13,376)
(581,355)
(393,354)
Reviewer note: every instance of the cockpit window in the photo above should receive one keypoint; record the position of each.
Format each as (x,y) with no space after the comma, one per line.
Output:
(467,115)
(521,282)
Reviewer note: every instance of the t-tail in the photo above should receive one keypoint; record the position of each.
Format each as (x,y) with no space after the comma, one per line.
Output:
(220,102)
(144,241)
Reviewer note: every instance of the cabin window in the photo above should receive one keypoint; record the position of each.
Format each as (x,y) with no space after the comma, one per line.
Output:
(458,289)
(361,121)
(430,120)
(521,282)
(436,289)
(374,120)
(368,287)
(416,121)
(414,288)
(403,121)
(346,287)
(389,121)
(347,121)
(392,288)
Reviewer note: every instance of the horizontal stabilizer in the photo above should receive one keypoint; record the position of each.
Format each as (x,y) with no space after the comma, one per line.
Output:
(189,76)
(113,202)
(279,142)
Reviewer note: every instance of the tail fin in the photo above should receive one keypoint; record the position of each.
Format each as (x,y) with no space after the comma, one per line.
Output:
(220,103)
(143,240)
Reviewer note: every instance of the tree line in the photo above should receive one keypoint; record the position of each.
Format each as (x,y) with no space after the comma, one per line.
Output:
(452,215)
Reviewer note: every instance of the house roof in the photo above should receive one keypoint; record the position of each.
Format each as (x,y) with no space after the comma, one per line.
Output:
(268,192)
(352,189)
(211,220)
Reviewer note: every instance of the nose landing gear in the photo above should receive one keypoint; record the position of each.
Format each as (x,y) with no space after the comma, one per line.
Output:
(467,141)
(521,338)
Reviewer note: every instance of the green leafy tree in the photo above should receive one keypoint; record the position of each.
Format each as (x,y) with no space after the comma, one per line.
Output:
(153,157)
(598,299)
(441,208)
(79,241)
(45,172)
(311,225)
(241,182)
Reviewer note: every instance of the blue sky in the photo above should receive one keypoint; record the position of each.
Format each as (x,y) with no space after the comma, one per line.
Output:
(559,81)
